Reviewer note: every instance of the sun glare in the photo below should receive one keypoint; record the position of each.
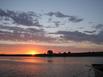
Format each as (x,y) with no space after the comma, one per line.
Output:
(32,52)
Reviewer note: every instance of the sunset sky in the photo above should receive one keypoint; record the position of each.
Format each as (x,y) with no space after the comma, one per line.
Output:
(28,26)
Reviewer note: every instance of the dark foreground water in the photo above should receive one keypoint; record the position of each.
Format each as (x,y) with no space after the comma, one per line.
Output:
(48,67)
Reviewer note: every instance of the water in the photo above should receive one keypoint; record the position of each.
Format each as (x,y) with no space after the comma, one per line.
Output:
(48,67)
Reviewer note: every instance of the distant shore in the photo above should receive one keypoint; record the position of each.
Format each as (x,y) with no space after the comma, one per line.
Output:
(85,54)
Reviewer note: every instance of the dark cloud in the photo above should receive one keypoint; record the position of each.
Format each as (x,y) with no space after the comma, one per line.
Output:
(76,36)
(2,13)
(57,14)
(79,36)
(75,19)
(17,36)
(22,18)
(61,15)
(21,30)
(99,27)
(21,34)
(90,31)
(99,37)
(50,14)
(18,29)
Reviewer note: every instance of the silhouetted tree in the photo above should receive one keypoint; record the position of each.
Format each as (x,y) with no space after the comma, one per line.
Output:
(64,53)
(50,52)
(69,52)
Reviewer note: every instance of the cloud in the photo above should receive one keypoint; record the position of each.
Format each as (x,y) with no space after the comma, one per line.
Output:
(99,27)
(22,18)
(21,30)
(50,27)
(79,36)
(2,13)
(99,37)
(30,18)
(50,13)
(57,14)
(23,34)
(75,19)
(11,28)
(18,33)
(57,23)
(90,31)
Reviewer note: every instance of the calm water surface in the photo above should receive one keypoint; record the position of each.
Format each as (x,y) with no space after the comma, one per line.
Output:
(48,67)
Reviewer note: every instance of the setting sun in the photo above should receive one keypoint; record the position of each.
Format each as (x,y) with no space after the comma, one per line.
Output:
(32,52)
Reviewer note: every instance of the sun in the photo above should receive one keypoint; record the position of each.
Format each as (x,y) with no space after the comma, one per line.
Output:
(32,52)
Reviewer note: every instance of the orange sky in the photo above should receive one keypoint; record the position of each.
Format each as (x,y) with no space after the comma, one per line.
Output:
(35,49)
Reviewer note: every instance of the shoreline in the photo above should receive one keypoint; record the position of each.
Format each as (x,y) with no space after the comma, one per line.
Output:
(86,54)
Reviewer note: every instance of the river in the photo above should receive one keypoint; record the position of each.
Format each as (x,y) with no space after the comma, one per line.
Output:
(48,66)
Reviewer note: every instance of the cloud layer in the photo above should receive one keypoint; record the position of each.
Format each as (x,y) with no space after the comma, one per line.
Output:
(21,34)
(79,36)
(21,18)
(35,29)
